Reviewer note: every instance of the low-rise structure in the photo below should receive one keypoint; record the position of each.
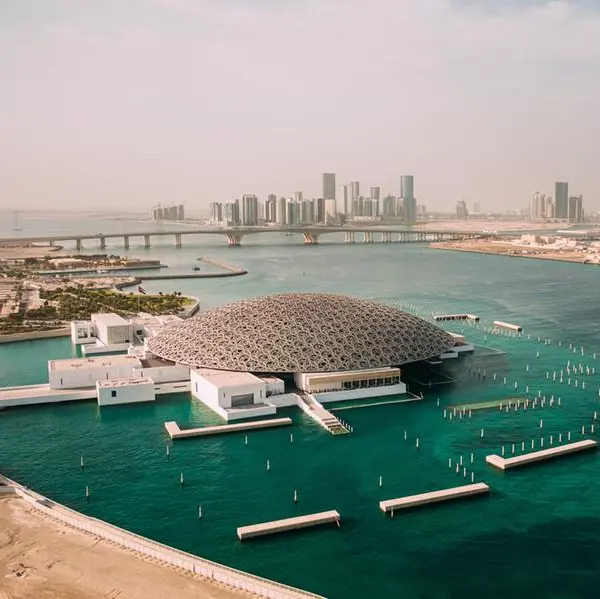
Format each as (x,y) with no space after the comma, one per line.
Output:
(108,332)
(124,391)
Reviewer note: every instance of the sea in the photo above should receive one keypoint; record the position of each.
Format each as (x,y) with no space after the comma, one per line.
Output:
(535,536)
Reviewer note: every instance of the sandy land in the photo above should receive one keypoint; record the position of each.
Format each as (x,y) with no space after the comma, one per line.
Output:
(483,246)
(18,253)
(44,559)
(489,225)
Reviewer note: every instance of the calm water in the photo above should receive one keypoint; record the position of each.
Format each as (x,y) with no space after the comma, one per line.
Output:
(536,536)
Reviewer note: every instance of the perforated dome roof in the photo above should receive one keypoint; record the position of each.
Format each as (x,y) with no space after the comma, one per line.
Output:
(301,332)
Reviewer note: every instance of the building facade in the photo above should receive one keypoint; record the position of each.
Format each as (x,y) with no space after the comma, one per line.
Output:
(561,199)
(329,186)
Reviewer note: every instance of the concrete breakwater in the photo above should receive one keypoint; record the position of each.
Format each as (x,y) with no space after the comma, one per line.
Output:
(234,270)
(31,335)
(230,271)
(218,573)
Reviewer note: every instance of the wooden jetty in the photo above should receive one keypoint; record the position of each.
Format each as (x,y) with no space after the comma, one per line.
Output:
(540,456)
(269,528)
(441,317)
(507,325)
(390,505)
(176,433)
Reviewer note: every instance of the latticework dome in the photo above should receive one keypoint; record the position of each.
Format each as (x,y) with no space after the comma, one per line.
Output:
(301,332)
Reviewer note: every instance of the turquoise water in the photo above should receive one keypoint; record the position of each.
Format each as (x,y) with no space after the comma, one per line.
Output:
(535,536)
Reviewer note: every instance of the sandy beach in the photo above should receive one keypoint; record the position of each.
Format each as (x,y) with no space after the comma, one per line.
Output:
(489,225)
(483,246)
(44,559)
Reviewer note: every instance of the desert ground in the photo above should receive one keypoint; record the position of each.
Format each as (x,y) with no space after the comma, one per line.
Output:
(44,559)
(489,225)
(484,246)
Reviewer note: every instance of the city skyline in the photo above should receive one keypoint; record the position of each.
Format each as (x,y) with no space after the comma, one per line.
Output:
(103,112)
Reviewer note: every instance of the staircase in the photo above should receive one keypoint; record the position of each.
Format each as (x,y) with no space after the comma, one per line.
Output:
(319,414)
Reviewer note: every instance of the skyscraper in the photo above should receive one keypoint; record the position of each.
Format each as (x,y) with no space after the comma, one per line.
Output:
(576,209)
(329,186)
(307,211)
(281,211)
(320,211)
(249,210)
(271,209)
(344,200)
(354,195)
(561,200)
(408,198)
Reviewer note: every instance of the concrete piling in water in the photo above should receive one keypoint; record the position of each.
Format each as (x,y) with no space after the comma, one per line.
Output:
(181,482)
(81,462)
(560,437)
(291,437)
(569,436)
(449,462)
(380,481)
(296,496)
(200,512)
(472,458)
(481,434)
(246,440)
(87,494)
(513,449)
(457,467)
(268,465)
(417,443)
(523,446)
(550,439)
(168,452)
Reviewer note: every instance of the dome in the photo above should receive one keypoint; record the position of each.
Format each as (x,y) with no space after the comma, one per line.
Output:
(301,332)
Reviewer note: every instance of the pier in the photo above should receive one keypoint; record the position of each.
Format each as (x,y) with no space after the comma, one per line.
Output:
(441,317)
(389,505)
(508,326)
(540,456)
(277,526)
(175,432)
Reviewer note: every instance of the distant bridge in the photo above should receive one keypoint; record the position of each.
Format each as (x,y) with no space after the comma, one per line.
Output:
(234,235)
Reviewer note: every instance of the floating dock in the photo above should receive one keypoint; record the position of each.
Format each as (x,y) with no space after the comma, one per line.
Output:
(176,433)
(269,528)
(389,505)
(456,317)
(507,325)
(539,456)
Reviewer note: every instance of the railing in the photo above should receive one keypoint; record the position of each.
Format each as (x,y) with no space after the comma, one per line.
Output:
(180,559)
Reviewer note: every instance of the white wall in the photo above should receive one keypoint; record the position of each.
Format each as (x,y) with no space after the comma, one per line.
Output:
(275,386)
(234,414)
(87,377)
(283,400)
(165,374)
(82,332)
(215,396)
(125,394)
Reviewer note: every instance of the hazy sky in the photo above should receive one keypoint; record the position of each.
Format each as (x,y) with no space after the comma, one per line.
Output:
(126,103)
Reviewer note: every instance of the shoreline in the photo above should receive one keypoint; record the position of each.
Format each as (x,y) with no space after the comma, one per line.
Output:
(440,245)
(127,556)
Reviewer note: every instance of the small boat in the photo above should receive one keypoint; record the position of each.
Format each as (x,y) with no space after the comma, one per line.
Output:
(196,268)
